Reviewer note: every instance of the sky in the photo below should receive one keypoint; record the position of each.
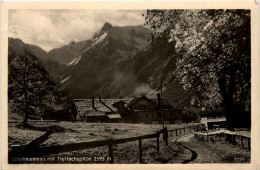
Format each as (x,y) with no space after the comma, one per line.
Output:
(51,29)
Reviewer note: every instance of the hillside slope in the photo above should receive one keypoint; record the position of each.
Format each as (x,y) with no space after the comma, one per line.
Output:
(30,87)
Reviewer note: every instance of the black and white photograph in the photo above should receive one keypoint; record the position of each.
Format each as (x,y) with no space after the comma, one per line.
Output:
(129,86)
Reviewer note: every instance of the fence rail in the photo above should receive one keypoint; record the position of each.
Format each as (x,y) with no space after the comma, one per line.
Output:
(218,134)
(178,131)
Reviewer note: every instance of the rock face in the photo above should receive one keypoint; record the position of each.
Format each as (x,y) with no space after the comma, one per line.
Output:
(68,52)
(120,62)
(106,27)
(129,41)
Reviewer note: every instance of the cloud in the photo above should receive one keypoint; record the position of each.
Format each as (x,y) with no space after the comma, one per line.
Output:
(55,28)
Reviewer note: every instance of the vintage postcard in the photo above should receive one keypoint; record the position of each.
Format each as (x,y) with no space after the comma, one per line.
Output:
(130,85)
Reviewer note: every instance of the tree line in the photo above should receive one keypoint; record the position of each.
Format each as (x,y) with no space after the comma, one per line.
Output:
(213,51)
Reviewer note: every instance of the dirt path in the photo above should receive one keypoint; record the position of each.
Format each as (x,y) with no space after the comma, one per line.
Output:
(208,152)
(185,154)
(193,153)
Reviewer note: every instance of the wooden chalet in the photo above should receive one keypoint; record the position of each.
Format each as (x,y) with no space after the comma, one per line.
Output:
(150,110)
(131,110)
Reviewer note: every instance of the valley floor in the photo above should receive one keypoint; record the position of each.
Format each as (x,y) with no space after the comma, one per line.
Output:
(85,132)
(127,152)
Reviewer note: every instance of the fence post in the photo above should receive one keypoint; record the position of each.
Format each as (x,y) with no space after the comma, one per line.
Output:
(158,135)
(140,151)
(166,136)
(248,143)
(110,151)
(242,141)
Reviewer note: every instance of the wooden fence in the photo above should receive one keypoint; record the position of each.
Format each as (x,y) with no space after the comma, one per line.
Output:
(33,149)
(179,131)
(213,136)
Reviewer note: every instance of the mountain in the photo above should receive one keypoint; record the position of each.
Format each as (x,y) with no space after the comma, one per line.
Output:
(117,62)
(106,27)
(133,39)
(103,64)
(67,53)
(121,62)
(30,88)
(53,67)
(18,46)
(132,35)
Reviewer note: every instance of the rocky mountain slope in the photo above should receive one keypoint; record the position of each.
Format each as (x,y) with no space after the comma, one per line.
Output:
(67,53)
(103,64)
(121,62)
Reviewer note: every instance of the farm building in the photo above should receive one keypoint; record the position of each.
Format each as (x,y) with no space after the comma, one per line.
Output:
(134,110)
(213,120)
(217,119)
(149,110)
(96,110)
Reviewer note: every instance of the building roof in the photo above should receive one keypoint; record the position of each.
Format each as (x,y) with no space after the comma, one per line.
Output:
(83,106)
(166,104)
(139,98)
(110,103)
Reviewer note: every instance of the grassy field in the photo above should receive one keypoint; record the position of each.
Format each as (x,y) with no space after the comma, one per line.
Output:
(208,152)
(85,132)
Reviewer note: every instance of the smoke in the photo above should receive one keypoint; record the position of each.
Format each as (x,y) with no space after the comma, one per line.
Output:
(143,90)
(123,84)
(126,84)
